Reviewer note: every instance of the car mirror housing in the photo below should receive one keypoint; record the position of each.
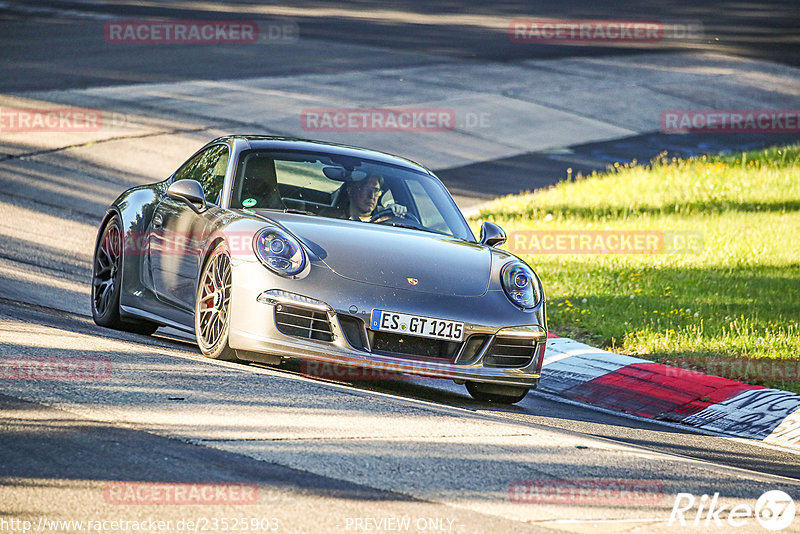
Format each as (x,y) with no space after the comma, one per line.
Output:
(190,192)
(492,235)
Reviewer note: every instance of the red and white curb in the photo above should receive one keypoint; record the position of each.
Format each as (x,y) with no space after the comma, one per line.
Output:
(583,373)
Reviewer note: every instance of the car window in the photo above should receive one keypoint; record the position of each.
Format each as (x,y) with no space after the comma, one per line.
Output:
(429,215)
(208,168)
(324,184)
(307,175)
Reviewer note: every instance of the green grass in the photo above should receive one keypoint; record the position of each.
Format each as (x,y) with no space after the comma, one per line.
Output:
(738,296)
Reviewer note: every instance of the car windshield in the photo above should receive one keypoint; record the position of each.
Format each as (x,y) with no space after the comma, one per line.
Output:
(345,187)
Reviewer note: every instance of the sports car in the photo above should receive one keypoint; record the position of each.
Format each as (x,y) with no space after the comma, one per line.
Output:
(269,248)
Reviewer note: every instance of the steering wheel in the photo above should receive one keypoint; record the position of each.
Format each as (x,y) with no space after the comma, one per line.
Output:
(386,214)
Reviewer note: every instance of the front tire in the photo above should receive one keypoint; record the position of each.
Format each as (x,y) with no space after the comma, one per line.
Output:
(107,281)
(496,393)
(212,307)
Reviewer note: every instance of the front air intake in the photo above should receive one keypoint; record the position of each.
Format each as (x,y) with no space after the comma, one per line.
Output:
(301,322)
(512,352)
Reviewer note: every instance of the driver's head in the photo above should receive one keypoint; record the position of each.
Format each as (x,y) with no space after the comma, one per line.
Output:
(364,194)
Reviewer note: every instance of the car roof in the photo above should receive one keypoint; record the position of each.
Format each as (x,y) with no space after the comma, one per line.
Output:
(266,142)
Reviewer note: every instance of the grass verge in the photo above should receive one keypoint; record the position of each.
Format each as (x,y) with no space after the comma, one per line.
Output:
(729,304)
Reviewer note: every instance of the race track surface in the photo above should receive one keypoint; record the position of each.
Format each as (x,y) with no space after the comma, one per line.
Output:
(328,455)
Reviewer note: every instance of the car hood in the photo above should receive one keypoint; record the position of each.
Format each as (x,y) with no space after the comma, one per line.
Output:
(398,258)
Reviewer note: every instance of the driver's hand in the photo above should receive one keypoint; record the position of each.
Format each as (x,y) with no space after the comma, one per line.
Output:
(398,210)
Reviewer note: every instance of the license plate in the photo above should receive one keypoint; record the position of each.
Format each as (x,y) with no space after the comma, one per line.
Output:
(416,325)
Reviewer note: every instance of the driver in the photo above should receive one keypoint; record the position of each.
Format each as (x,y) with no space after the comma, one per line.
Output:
(361,200)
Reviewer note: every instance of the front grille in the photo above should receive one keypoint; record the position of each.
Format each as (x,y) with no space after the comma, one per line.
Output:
(394,344)
(510,352)
(301,322)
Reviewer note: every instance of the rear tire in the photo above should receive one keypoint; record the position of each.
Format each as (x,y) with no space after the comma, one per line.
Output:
(496,393)
(107,282)
(212,319)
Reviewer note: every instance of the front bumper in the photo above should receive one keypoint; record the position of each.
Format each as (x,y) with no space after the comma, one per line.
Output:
(340,306)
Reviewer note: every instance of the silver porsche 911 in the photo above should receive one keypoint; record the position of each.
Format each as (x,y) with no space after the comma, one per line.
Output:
(271,248)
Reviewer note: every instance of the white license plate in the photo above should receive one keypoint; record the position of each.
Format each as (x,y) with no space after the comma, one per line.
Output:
(416,325)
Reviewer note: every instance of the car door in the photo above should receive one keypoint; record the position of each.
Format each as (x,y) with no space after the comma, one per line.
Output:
(177,231)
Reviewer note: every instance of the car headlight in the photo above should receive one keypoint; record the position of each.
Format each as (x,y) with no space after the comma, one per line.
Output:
(280,251)
(520,284)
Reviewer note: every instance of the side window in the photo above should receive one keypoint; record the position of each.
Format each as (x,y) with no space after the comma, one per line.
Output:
(429,214)
(208,168)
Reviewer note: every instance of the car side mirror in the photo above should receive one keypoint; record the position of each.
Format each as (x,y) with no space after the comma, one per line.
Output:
(190,192)
(492,235)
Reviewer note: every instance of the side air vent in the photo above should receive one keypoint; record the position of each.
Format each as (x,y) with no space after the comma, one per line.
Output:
(473,347)
(354,332)
(510,352)
(302,322)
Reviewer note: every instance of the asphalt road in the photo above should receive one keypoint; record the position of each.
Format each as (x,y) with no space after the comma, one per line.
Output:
(50,45)
(320,452)
(325,454)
